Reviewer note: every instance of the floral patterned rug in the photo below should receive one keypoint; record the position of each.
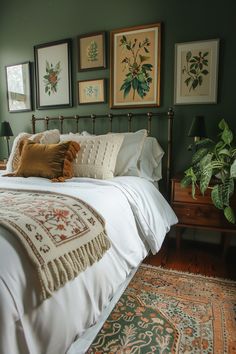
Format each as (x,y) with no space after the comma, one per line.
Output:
(165,311)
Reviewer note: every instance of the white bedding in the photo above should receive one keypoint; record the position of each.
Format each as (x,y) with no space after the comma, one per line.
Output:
(137,219)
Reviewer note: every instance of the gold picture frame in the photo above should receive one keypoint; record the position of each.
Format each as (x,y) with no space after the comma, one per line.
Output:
(91,91)
(92,51)
(196,72)
(135,55)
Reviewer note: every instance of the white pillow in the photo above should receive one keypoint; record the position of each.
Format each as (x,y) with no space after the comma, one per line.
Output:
(50,137)
(46,137)
(149,164)
(128,156)
(14,155)
(139,155)
(97,155)
(64,137)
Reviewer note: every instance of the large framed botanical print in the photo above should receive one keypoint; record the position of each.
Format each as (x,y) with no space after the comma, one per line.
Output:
(53,74)
(135,66)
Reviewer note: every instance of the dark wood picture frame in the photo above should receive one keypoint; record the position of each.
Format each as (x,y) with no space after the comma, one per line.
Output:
(92,51)
(18,79)
(53,74)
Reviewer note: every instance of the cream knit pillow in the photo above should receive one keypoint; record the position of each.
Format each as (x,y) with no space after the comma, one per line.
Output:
(97,155)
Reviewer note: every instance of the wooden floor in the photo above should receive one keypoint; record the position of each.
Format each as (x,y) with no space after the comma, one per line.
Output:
(196,257)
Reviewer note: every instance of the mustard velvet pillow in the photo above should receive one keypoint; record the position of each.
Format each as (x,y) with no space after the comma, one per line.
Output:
(53,161)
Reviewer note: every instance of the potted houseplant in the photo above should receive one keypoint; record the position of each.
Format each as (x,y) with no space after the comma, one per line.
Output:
(215,160)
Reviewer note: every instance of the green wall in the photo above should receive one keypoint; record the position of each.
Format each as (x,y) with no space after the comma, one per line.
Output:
(26,23)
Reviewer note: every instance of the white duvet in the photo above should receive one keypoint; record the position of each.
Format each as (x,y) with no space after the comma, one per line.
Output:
(137,220)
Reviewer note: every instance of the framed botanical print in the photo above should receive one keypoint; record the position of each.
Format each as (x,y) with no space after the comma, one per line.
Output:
(91,91)
(53,74)
(196,72)
(19,87)
(135,66)
(92,51)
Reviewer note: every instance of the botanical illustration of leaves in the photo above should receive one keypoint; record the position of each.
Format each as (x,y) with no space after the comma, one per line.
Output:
(195,69)
(138,79)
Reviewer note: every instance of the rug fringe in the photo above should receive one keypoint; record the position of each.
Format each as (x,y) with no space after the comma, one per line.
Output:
(230,281)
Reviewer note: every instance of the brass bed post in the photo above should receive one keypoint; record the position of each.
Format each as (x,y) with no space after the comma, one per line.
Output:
(33,123)
(169,150)
(129,115)
(93,116)
(46,122)
(110,116)
(149,116)
(77,123)
(61,119)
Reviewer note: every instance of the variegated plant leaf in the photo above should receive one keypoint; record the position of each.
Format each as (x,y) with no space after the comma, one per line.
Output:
(199,154)
(216,196)
(229,214)
(205,178)
(233,169)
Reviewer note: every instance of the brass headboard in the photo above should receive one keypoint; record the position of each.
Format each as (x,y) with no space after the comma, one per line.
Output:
(110,116)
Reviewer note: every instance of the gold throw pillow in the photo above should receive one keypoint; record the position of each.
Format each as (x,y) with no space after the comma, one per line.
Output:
(53,161)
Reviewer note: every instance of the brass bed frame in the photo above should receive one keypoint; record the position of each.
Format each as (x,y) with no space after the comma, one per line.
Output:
(110,116)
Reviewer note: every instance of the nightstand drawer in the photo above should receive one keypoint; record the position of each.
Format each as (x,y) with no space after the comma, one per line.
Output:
(181,194)
(202,216)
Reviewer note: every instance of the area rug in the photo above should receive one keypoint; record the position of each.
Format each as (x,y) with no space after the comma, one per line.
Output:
(165,311)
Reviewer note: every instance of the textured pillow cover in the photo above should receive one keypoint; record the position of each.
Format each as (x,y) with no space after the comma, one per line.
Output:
(139,155)
(129,153)
(97,155)
(46,137)
(53,161)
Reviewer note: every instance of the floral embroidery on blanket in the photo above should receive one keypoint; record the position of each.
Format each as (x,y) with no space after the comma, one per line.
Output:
(62,235)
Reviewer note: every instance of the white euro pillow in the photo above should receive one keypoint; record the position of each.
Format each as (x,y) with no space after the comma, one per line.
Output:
(150,162)
(128,156)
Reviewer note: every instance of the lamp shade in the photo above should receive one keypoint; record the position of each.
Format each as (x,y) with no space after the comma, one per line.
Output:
(198,128)
(5,129)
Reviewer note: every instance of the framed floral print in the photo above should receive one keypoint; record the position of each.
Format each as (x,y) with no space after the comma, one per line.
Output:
(19,87)
(135,66)
(91,91)
(92,51)
(53,74)
(196,72)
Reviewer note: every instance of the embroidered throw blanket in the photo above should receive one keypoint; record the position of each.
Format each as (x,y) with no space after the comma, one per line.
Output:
(62,235)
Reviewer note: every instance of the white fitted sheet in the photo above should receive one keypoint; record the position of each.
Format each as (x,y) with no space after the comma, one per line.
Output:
(137,219)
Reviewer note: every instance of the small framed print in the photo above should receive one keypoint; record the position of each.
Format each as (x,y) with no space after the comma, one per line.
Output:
(92,51)
(53,74)
(196,72)
(19,87)
(91,91)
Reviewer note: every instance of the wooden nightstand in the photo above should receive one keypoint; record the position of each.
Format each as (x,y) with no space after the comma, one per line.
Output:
(2,165)
(199,213)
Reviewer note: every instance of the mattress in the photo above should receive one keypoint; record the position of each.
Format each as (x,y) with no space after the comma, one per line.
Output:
(137,220)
